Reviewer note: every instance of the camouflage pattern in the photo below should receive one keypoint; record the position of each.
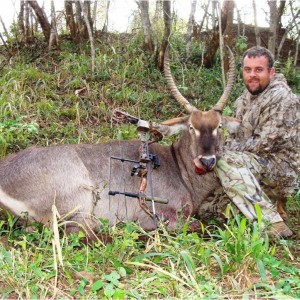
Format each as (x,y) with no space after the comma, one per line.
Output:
(261,161)
(236,172)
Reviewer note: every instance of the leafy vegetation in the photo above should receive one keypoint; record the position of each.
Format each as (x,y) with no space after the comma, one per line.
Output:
(236,261)
(52,97)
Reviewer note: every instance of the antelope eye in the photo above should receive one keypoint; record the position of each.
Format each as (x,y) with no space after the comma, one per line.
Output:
(191,127)
(220,125)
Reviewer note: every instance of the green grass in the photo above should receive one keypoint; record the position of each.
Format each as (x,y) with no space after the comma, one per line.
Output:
(58,91)
(53,98)
(236,261)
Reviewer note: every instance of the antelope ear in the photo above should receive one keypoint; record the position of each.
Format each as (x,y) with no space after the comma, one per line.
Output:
(231,124)
(172,126)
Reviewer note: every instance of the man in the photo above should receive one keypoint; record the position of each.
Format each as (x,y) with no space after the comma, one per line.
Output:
(261,161)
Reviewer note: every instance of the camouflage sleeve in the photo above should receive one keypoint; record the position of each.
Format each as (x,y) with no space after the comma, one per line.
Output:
(276,127)
(239,106)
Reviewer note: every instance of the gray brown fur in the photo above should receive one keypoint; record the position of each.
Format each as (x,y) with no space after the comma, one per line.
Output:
(69,175)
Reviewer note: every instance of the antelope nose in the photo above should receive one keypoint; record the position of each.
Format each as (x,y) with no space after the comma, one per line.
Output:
(208,163)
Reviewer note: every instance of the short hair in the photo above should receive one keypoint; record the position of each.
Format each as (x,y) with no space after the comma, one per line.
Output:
(259,51)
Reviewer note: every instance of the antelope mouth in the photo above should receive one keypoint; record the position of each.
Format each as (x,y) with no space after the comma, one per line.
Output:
(200,170)
(204,164)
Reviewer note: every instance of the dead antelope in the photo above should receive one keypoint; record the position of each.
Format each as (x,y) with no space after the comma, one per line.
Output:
(77,176)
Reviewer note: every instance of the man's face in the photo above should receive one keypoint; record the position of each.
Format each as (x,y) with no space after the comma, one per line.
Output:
(256,74)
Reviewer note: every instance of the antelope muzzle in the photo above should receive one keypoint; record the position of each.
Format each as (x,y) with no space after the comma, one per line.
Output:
(204,164)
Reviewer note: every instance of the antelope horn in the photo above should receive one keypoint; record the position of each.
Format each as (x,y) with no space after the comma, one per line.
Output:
(231,80)
(173,88)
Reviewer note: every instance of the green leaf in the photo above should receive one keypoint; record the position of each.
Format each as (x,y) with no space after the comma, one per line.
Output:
(81,290)
(219,261)
(38,272)
(258,213)
(228,211)
(109,290)
(153,254)
(113,277)
(97,285)
(261,270)
(188,262)
(119,294)
(122,272)
(242,226)
(73,291)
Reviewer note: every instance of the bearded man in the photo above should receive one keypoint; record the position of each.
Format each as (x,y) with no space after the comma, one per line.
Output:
(261,161)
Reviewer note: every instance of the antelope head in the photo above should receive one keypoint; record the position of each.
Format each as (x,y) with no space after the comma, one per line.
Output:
(200,129)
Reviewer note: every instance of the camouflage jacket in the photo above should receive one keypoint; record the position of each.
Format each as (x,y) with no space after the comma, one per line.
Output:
(270,124)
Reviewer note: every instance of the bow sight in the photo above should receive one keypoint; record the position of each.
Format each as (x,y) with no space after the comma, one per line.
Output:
(146,162)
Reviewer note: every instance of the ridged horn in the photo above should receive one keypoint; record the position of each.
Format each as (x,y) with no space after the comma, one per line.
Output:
(230,83)
(172,86)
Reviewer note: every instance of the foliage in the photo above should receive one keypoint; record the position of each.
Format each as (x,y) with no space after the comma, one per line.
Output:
(57,90)
(291,73)
(15,129)
(234,261)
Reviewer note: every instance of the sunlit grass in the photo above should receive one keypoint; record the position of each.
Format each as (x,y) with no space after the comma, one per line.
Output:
(232,262)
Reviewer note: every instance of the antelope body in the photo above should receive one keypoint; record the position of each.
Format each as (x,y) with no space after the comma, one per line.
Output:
(78,176)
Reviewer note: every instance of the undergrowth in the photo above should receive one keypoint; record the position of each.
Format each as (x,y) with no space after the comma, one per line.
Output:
(236,261)
(58,91)
(52,98)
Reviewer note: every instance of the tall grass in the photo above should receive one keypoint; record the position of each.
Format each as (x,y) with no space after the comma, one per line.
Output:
(57,90)
(234,262)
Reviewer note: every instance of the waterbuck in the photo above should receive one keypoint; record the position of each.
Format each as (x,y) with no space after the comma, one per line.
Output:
(77,178)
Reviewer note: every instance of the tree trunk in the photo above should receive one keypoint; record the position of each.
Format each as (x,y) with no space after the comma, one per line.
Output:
(239,21)
(105,24)
(7,48)
(70,20)
(221,40)
(95,16)
(53,40)
(290,26)
(156,17)
(33,23)
(89,28)
(298,37)
(167,32)
(4,27)
(42,18)
(257,36)
(205,8)
(275,23)
(214,12)
(273,26)
(21,17)
(228,33)
(144,10)
(87,16)
(27,26)
(23,21)
(81,26)
(213,44)
(191,23)
(280,11)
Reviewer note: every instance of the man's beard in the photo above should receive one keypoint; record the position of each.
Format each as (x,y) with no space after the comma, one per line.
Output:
(257,91)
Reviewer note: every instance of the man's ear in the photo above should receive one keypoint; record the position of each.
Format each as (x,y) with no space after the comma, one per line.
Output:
(231,124)
(172,126)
